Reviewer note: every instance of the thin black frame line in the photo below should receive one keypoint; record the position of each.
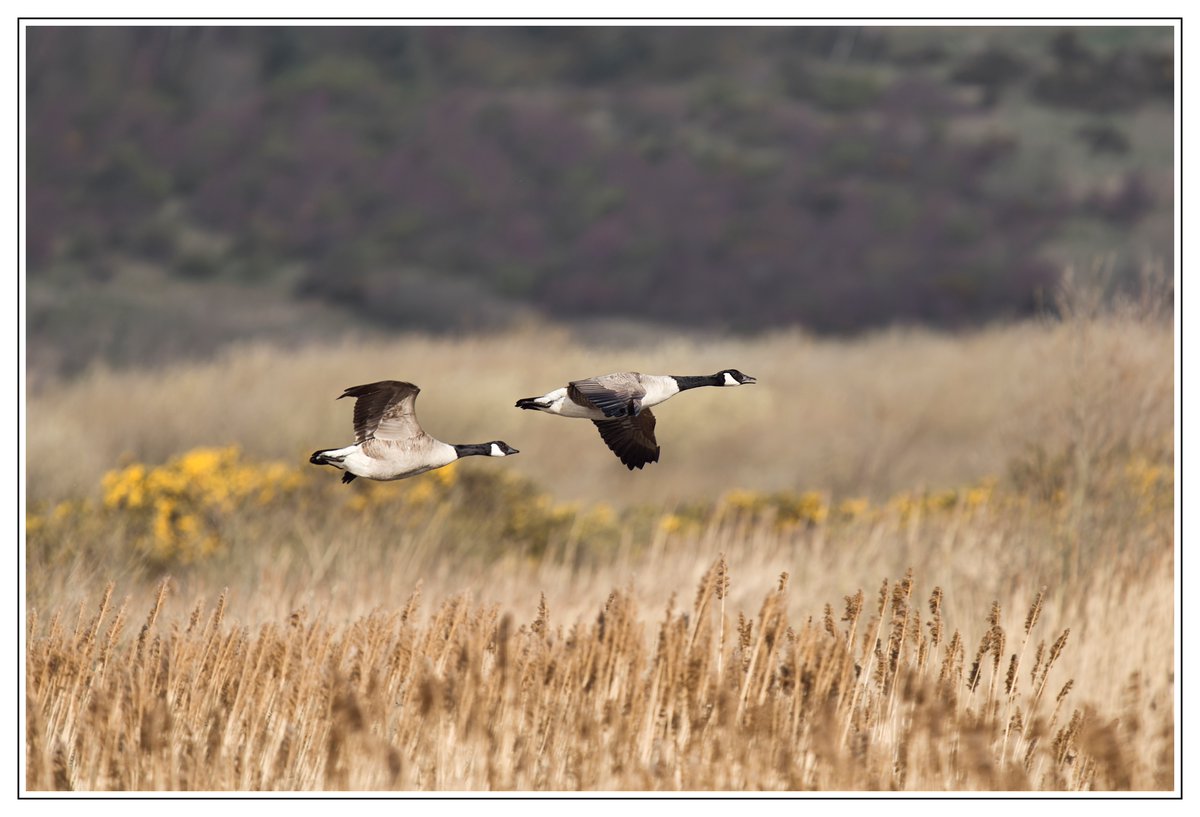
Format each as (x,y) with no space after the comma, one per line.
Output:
(1179,310)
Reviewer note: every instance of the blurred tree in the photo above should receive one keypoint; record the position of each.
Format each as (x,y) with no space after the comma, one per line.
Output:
(725,177)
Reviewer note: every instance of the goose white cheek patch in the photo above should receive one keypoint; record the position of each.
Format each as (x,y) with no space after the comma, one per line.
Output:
(496,452)
(729,381)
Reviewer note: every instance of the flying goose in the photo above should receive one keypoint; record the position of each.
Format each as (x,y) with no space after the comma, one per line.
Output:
(389,443)
(619,404)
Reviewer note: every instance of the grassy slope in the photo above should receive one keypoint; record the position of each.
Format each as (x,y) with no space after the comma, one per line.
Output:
(81,309)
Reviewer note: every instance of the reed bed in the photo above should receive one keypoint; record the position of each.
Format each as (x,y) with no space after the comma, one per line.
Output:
(917,562)
(360,651)
(883,693)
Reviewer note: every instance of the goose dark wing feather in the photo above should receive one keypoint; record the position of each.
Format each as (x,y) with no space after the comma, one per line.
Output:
(631,438)
(384,410)
(619,401)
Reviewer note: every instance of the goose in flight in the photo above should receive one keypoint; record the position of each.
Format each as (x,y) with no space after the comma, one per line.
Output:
(619,404)
(389,443)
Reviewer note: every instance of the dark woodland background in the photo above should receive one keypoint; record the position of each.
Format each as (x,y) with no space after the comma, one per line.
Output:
(192,186)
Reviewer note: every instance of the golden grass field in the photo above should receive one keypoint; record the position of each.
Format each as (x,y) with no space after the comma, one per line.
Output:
(740,616)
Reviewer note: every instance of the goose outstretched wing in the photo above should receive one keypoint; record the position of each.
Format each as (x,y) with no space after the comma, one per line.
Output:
(385,410)
(631,438)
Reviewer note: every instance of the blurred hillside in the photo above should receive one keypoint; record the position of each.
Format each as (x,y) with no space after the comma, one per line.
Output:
(192,186)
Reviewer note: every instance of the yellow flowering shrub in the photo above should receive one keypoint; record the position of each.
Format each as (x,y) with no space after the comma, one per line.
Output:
(747,502)
(177,510)
(980,494)
(687,518)
(808,508)
(849,509)
(195,504)
(787,509)
(671,523)
(1152,484)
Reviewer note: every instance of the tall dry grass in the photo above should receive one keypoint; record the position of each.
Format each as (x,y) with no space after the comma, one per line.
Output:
(863,417)
(314,672)
(472,630)
(886,691)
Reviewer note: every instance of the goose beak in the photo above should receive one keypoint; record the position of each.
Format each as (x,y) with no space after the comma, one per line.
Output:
(749,381)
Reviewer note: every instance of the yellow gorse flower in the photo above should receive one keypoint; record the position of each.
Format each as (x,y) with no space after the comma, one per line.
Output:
(179,506)
(183,509)
(1152,485)
(745,500)
(812,508)
(125,488)
(980,494)
(853,508)
(670,523)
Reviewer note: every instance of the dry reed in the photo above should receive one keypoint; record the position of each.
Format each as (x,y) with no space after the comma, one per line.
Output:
(479,643)
(465,697)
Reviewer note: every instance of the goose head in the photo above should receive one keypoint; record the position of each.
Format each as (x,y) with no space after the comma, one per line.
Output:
(732,377)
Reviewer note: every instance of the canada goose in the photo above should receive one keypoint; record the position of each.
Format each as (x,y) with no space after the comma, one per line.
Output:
(619,404)
(389,443)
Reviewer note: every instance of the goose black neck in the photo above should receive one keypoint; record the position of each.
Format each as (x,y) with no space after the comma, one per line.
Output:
(474,450)
(691,382)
